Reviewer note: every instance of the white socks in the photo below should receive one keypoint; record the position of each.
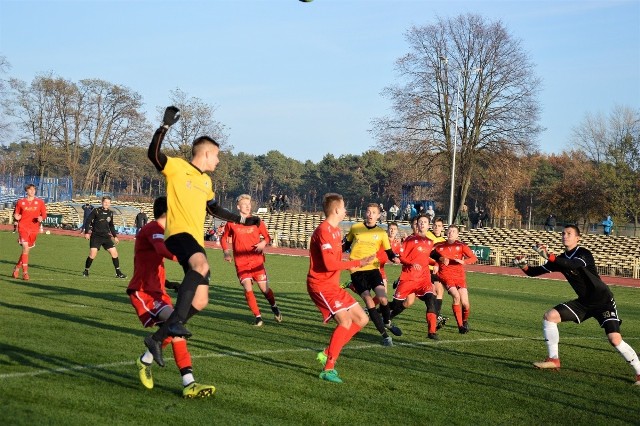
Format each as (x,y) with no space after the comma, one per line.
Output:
(552,337)
(629,355)
(147,358)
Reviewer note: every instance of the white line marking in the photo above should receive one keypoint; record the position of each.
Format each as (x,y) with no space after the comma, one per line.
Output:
(278,351)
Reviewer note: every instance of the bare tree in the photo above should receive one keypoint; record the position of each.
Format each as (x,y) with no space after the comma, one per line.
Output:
(467,74)
(88,122)
(33,106)
(5,125)
(196,119)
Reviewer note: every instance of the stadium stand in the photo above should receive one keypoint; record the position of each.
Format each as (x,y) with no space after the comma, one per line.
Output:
(614,255)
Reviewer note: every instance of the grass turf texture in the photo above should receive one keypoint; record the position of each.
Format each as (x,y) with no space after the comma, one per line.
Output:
(69,344)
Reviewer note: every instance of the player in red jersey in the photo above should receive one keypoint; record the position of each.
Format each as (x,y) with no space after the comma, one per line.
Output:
(415,278)
(383,258)
(248,244)
(148,295)
(452,255)
(29,213)
(323,284)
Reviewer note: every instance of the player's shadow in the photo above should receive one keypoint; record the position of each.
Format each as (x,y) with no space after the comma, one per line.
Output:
(42,363)
(50,314)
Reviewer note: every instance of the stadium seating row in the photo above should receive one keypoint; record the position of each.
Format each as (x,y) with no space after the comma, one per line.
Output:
(614,255)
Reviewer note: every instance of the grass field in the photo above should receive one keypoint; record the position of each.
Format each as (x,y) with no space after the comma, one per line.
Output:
(69,343)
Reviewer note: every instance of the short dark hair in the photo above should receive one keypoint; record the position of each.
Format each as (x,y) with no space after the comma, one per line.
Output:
(201,141)
(159,206)
(29,185)
(106,197)
(574,227)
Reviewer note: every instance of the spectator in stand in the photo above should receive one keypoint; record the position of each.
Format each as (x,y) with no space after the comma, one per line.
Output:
(474,218)
(483,218)
(430,212)
(141,220)
(408,213)
(272,203)
(383,214)
(29,213)
(86,211)
(393,212)
(607,225)
(463,217)
(550,223)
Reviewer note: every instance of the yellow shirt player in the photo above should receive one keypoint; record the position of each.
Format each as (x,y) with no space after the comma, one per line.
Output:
(364,240)
(189,197)
(437,236)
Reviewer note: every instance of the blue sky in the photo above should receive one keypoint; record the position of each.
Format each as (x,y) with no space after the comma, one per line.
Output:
(305,78)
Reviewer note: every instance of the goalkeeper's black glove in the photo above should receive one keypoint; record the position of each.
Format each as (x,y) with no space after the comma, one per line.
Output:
(171,116)
(250,220)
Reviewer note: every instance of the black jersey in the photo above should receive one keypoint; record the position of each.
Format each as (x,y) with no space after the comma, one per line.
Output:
(579,268)
(101,223)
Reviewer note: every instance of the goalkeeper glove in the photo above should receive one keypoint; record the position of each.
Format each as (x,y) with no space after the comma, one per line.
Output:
(250,220)
(171,116)
(541,250)
(520,262)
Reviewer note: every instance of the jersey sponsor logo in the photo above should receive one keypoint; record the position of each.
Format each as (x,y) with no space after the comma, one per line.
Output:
(326,246)
(158,236)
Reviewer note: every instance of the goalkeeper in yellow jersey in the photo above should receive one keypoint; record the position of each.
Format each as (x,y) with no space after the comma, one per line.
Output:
(363,240)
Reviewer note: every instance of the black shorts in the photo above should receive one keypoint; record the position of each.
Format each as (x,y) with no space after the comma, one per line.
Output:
(434,278)
(97,241)
(606,313)
(364,281)
(183,246)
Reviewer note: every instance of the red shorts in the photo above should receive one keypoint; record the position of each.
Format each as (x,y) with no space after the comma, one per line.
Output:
(257,274)
(331,301)
(419,288)
(456,282)
(27,236)
(148,306)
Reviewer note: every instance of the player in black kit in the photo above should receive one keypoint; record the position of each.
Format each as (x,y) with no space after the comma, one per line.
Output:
(595,299)
(103,234)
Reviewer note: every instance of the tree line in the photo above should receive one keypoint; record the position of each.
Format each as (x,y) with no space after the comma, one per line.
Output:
(465,98)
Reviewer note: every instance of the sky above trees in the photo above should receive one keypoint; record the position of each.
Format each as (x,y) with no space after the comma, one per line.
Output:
(305,78)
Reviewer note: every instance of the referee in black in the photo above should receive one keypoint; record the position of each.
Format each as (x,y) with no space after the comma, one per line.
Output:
(103,234)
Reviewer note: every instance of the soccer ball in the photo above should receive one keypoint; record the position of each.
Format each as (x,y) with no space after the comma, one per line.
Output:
(48,232)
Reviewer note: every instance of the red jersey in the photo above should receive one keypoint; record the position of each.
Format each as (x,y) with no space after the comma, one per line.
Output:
(455,250)
(243,239)
(148,260)
(416,249)
(325,258)
(396,246)
(30,211)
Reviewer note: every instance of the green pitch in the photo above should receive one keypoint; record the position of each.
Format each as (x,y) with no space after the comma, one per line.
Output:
(68,346)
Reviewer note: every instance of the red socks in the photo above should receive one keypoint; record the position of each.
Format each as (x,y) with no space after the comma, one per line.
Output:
(340,337)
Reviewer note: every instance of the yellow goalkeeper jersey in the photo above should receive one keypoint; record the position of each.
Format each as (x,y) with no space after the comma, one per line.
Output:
(188,190)
(366,242)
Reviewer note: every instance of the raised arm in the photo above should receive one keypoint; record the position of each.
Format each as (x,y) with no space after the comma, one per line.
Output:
(159,160)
